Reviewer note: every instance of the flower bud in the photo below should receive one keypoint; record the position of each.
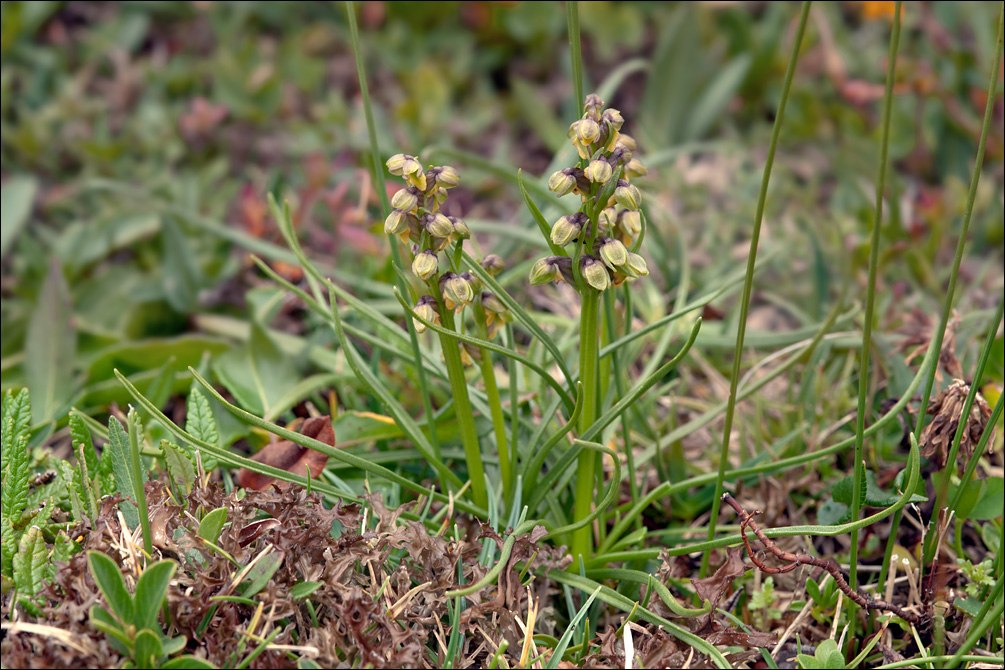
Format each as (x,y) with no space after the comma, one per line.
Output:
(628,142)
(587,131)
(627,195)
(592,106)
(493,304)
(635,168)
(425,309)
(608,219)
(425,265)
(409,168)
(493,264)
(476,283)
(595,273)
(456,290)
(443,176)
(552,268)
(566,229)
(613,117)
(562,181)
(396,222)
(599,171)
(612,252)
(637,265)
(437,225)
(460,228)
(630,223)
(406,199)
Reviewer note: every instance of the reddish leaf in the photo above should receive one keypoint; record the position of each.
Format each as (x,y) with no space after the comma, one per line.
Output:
(290,456)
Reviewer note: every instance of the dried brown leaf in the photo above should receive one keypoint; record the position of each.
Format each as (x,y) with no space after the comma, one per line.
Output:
(290,456)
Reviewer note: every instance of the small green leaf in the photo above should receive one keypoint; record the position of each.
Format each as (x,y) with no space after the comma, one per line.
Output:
(147,649)
(16,199)
(970,606)
(180,465)
(260,574)
(71,480)
(31,562)
(151,589)
(829,655)
(109,579)
(80,434)
(181,276)
(832,513)
(105,622)
(212,524)
(306,663)
(14,497)
(200,422)
(258,373)
(64,548)
(991,534)
(118,447)
(187,662)
(50,347)
(16,421)
(844,489)
(304,589)
(991,502)
(172,645)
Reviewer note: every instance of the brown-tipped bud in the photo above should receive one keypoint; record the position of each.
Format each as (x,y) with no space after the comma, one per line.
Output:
(437,225)
(567,229)
(425,309)
(613,117)
(619,156)
(594,273)
(592,106)
(461,229)
(612,252)
(637,265)
(493,264)
(635,168)
(587,131)
(599,171)
(627,195)
(630,223)
(476,283)
(425,265)
(443,176)
(406,199)
(552,268)
(396,222)
(456,290)
(562,181)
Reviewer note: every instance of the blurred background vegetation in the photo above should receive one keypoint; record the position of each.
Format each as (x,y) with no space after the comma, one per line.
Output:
(139,141)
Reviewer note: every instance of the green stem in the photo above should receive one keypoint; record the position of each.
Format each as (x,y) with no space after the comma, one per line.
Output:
(575,52)
(958,258)
(749,280)
(462,402)
(982,622)
(619,386)
(495,405)
(582,540)
(870,299)
(378,178)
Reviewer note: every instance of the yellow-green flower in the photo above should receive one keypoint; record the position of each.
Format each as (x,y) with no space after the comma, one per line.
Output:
(567,229)
(460,228)
(612,252)
(396,222)
(551,269)
(406,199)
(425,309)
(599,171)
(409,168)
(630,223)
(457,291)
(437,225)
(587,131)
(637,265)
(493,264)
(562,181)
(425,265)
(627,195)
(595,273)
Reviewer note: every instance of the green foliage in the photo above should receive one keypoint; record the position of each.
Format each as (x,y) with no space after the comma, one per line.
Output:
(16,472)
(764,603)
(201,424)
(131,623)
(826,657)
(120,454)
(978,575)
(180,465)
(31,564)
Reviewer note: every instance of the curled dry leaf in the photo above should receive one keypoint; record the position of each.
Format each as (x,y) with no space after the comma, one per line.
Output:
(714,588)
(290,456)
(946,410)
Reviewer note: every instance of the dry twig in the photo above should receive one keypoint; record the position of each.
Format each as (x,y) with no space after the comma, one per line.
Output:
(795,560)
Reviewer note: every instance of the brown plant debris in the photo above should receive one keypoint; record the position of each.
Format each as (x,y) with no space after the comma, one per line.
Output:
(795,560)
(290,456)
(946,409)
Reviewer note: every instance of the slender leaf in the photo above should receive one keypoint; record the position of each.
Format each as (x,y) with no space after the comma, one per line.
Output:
(16,421)
(180,465)
(147,649)
(260,574)
(16,198)
(109,579)
(212,524)
(118,448)
(151,589)
(31,562)
(14,498)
